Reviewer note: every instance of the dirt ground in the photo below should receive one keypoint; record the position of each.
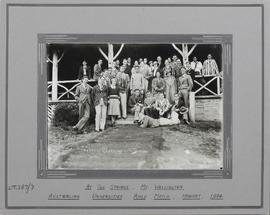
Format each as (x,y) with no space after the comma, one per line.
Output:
(197,146)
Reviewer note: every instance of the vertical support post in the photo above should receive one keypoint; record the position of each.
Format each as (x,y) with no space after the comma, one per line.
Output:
(218,85)
(192,106)
(54,77)
(185,53)
(110,54)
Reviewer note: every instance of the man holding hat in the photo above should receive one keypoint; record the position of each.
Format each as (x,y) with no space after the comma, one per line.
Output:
(180,109)
(82,96)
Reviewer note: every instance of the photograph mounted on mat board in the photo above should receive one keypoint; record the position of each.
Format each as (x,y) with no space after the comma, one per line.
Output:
(149,161)
(141,105)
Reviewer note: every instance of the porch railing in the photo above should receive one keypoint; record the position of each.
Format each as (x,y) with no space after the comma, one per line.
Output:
(208,86)
(204,87)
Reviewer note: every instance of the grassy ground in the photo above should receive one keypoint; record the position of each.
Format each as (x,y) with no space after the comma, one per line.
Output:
(197,146)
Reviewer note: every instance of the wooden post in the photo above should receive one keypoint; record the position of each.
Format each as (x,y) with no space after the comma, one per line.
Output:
(54,76)
(110,54)
(185,53)
(192,106)
(218,85)
(110,57)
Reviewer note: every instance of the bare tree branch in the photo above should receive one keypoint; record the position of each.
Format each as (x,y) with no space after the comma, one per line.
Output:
(191,50)
(104,55)
(61,57)
(177,49)
(119,51)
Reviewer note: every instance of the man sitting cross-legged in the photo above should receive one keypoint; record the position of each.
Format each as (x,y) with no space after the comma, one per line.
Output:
(149,106)
(135,104)
(163,105)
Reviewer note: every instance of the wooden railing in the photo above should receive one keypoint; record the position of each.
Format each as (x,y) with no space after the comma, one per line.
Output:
(208,86)
(65,91)
(211,86)
(204,87)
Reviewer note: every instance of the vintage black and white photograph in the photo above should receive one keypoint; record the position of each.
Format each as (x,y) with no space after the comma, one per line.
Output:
(135,106)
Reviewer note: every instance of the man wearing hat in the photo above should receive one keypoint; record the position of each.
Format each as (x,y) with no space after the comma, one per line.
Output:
(84,70)
(156,69)
(82,96)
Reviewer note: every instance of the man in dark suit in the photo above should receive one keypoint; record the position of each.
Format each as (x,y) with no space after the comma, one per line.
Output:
(82,95)
(160,63)
(84,70)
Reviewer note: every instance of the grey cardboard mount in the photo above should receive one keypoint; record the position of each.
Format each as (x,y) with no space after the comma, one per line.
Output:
(26,25)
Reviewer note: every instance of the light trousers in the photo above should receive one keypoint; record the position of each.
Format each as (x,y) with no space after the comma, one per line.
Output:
(84,113)
(145,83)
(123,101)
(136,110)
(101,114)
(184,93)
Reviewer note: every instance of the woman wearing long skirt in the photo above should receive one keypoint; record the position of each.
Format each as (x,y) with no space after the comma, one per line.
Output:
(171,87)
(114,101)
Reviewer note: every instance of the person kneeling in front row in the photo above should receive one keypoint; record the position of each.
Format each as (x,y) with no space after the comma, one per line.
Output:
(135,104)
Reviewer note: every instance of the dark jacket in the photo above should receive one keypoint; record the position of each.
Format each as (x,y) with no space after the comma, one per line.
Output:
(158,70)
(98,93)
(133,100)
(88,72)
(128,70)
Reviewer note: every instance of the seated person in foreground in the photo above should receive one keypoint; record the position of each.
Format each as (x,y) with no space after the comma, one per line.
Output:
(163,106)
(178,110)
(149,106)
(147,121)
(135,104)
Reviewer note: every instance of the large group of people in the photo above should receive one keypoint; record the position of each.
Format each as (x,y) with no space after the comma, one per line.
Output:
(155,92)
